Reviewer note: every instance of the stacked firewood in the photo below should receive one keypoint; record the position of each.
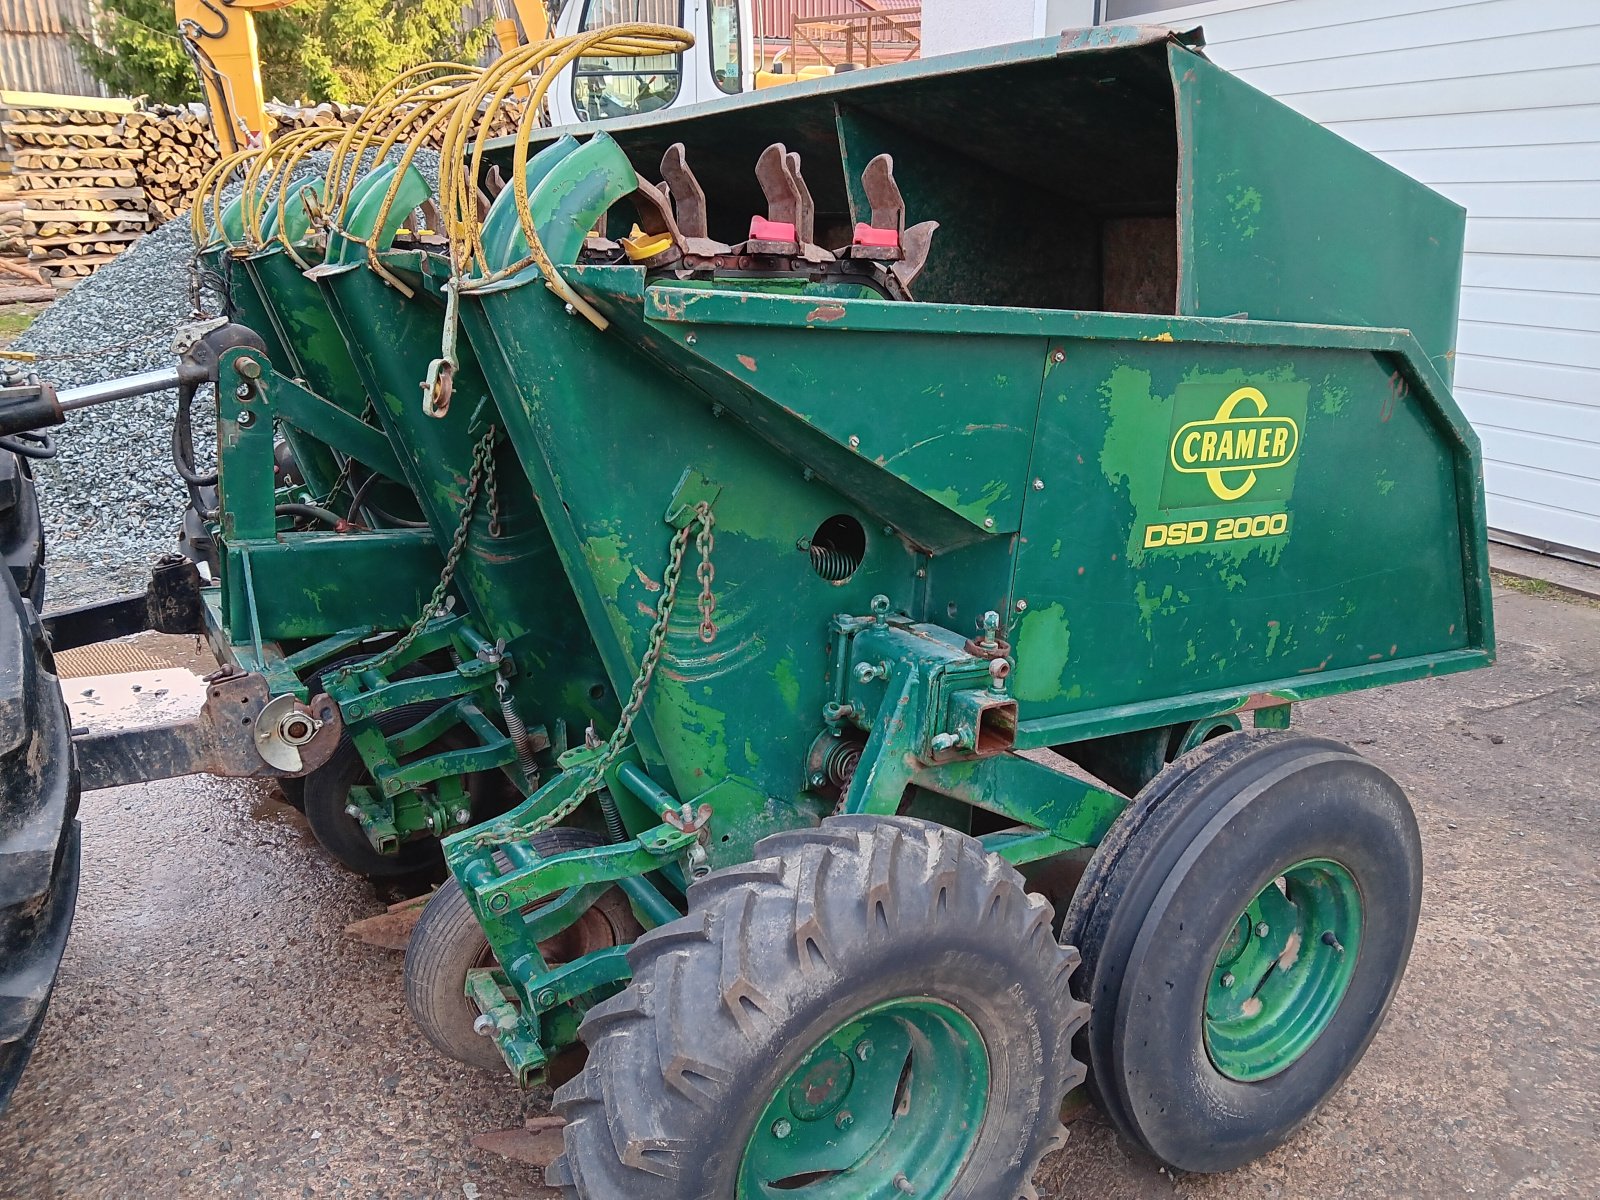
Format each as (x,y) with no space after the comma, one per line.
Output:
(20,279)
(74,184)
(178,147)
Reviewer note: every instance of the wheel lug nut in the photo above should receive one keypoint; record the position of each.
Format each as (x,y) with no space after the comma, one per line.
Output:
(1227,980)
(903,1185)
(844,1120)
(781,1128)
(1262,930)
(864,1051)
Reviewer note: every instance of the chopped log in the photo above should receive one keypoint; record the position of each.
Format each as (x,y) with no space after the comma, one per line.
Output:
(25,293)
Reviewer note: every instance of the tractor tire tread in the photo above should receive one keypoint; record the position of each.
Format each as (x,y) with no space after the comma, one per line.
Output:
(719,995)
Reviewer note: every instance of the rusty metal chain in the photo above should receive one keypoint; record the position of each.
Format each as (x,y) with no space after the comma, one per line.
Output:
(482,472)
(706,574)
(655,647)
(367,414)
(494,502)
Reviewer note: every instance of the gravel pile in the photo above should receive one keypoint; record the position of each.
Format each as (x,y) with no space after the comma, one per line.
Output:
(111,500)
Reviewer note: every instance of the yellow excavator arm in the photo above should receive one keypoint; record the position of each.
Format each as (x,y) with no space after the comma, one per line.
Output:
(220,37)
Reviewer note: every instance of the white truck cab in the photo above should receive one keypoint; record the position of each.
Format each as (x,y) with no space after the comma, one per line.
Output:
(720,63)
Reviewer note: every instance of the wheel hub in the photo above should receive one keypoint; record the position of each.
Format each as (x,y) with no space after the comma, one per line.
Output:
(891,1100)
(1282,970)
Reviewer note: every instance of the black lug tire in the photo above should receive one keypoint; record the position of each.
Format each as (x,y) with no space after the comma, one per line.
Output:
(447,942)
(39,836)
(21,530)
(326,793)
(772,957)
(1161,893)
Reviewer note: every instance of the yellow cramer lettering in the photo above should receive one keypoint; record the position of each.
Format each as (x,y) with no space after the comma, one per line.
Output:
(1229,450)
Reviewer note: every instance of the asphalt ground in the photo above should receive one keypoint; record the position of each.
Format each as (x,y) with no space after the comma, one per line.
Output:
(216,1033)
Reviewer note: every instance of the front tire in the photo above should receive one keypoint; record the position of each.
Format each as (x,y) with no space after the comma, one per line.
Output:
(1244,928)
(869,1007)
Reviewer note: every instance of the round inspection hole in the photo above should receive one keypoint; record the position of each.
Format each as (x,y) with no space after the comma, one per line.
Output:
(837,548)
(597,692)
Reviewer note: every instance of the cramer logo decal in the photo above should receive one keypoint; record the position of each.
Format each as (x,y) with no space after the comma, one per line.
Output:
(1232,448)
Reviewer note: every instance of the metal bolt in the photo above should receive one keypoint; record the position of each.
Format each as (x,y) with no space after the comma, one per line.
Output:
(1038,485)
(717,410)
(855,442)
(1059,356)
(545,999)
(690,340)
(864,1050)
(818,779)
(499,902)
(248,367)
(571,312)
(353,811)
(988,522)
(242,391)
(246,419)
(428,820)
(922,572)
(903,1185)
(1328,939)
(1262,929)
(1227,980)
(844,1120)
(1022,606)
(462,816)
(484,1026)
(781,1128)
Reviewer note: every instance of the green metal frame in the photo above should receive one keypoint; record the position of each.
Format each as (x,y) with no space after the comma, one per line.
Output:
(1066,538)
(781,409)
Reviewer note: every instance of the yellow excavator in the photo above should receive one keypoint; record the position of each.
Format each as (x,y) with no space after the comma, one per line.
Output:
(220,38)
(729,54)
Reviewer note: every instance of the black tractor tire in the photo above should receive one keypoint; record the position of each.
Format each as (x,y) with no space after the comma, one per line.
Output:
(1163,892)
(326,793)
(39,838)
(447,942)
(772,958)
(21,531)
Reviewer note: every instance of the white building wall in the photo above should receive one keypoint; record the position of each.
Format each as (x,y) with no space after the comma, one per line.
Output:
(1495,103)
(951,25)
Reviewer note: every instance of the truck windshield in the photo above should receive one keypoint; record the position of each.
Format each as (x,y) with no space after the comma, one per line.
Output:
(615,87)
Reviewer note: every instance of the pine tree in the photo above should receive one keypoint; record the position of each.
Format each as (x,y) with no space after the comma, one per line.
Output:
(138,52)
(317,50)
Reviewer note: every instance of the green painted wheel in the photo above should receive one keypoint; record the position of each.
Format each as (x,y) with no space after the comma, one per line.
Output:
(1283,970)
(871,1009)
(898,1092)
(1244,927)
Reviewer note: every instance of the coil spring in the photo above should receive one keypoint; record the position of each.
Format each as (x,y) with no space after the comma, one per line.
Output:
(614,826)
(518,733)
(832,564)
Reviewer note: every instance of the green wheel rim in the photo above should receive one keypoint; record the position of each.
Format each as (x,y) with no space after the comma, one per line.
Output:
(1282,970)
(890,1103)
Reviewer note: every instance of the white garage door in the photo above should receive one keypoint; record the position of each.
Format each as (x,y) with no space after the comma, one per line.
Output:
(1495,103)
